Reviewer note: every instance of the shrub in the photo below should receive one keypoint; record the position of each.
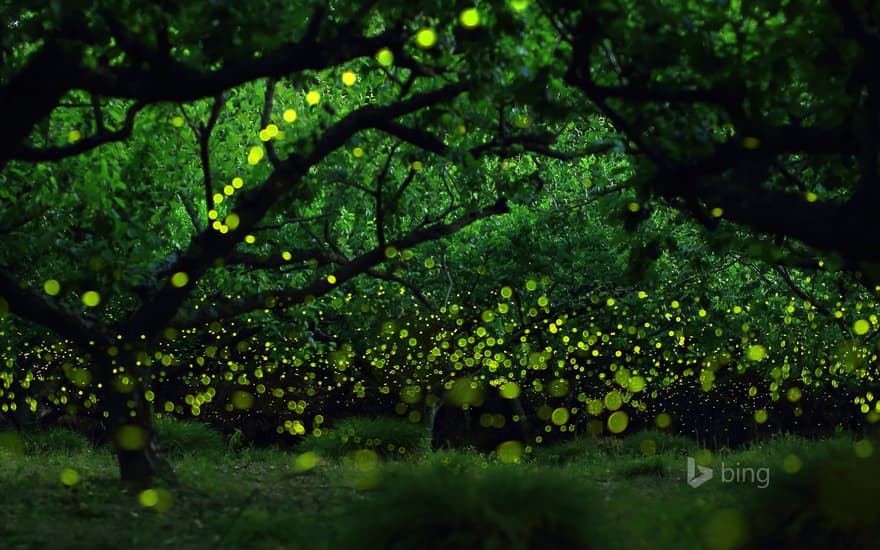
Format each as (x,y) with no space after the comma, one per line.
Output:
(829,503)
(388,437)
(513,507)
(774,451)
(654,442)
(650,466)
(55,440)
(457,460)
(178,437)
(567,451)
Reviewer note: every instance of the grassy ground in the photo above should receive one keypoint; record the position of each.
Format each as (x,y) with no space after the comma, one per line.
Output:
(626,494)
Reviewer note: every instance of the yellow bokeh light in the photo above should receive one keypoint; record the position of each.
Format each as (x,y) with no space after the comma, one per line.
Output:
(232,221)
(510,390)
(861,327)
(613,400)
(331,279)
(305,462)
(313,97)
(242,400)
(52,287)
(470,18)
(426,38)
(560,416)
(385,57)
(69,477)
(349,78)
(663,420)
(357,152)
(73,136)
(510,452)
(255,155)
(148,498)
(237,183)
(289,115)
(130,437)
(863,448)
(617,422)
(756,353)
(792,464)
(91,298)
(177,121)
(519,5)
(179,279)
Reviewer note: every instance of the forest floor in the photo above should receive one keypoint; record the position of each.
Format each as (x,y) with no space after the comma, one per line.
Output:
(632,493)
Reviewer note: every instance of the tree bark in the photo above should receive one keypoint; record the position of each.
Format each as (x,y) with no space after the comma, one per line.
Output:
(132,432)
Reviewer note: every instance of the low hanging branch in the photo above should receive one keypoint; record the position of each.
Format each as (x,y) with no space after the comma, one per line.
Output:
(39,309)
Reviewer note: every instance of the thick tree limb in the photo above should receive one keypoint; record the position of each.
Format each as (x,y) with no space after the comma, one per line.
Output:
(32,94)
(39,309)
(180,83)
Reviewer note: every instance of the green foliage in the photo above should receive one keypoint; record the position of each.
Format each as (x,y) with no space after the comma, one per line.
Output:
(830,502)
(391,438)
(654,442)
(650,466)
(180,437)
(202,200)
(499,507)
(581,450)
(55,440)
(457,461)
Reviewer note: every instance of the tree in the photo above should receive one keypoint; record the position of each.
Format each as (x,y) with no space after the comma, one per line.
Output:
(353,135)
(738,114)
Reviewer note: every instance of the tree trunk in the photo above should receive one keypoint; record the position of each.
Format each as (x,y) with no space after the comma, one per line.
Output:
(133,435)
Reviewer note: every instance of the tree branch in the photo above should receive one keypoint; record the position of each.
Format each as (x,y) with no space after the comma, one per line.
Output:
(38,309)
(346,272)
(101,137)
(209,246)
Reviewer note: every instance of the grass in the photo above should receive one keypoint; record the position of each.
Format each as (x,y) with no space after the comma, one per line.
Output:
(588,493)
(181,437)
(391,438)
